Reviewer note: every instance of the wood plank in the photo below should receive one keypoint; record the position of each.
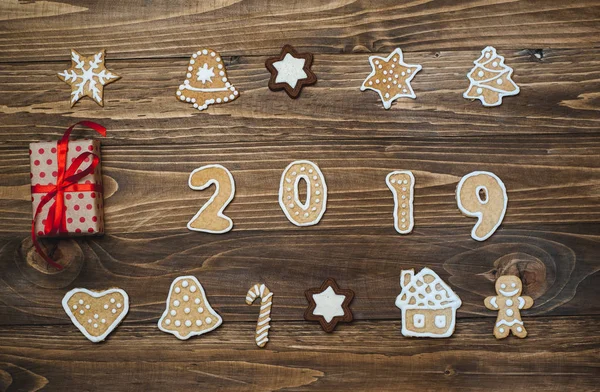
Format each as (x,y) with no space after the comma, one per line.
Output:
(299,357)
(172,28)
(558,267)
(559,96)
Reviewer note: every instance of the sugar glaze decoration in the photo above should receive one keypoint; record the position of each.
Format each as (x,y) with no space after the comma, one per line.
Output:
(402,185)
(290,71)
(206,81)
(390,77)
(329,305)
(509,303)
(263,324)
(428,305)
(490,79)
(310,211)
(188,312)
(210,218)
(482,195)
(87,77)
(96,313)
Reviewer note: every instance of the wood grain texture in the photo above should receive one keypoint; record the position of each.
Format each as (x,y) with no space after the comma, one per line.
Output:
(361,356)
(544,144)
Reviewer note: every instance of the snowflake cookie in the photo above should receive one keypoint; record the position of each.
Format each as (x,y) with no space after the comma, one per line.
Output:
(290,71)
(206,81)
(96,313)
(490,79)
(329,305)
(87,77)
(390,77)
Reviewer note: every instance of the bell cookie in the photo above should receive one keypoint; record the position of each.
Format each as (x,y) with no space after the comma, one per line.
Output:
(508,303)
(290,71)
(490,79)
(87,77)
(482,195)
(206,81)
(188,312)
(210,218)
(96,313)
(263,324)
(402,185)
(390,77)
(329,305)
(428,305)
(310,211)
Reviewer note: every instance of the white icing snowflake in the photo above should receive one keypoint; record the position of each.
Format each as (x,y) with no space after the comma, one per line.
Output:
(87,76)
(205,74)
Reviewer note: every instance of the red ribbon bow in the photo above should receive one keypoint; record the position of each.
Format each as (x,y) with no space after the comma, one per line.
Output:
(66,181)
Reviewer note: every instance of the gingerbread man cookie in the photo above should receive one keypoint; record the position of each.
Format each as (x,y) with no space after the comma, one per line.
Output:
(508,303)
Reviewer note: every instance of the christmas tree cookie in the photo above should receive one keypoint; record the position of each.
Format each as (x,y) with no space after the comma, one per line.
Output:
(490,79)
(206,81)
(188,312)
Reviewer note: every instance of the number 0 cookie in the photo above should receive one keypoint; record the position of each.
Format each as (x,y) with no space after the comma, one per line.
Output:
(96,313)
(310,211)
(482,195)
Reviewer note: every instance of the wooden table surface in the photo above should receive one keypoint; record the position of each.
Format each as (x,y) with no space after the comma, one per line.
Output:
(544,144)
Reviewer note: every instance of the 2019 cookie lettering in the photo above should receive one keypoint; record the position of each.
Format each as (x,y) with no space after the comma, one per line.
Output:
(210,218)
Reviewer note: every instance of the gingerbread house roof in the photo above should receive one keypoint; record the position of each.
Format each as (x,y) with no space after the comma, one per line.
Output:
(425,290)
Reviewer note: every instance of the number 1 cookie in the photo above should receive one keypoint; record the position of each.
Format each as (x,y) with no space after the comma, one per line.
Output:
(482,195)
(402,185)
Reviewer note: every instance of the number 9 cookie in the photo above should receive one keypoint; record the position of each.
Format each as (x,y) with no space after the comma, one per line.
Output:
(482,195)
(310,212)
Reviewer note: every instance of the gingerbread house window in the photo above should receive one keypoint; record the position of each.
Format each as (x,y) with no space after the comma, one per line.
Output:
(419,320)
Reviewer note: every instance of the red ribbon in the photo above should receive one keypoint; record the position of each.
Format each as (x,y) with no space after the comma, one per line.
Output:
(66,181)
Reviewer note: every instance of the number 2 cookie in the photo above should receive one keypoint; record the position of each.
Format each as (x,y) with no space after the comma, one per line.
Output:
(482,195)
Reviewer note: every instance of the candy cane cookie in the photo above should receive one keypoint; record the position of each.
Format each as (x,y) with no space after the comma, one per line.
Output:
(402,185)
(264,317)
(311,211)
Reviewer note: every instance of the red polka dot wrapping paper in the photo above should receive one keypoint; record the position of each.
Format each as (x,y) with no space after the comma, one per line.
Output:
(84,210)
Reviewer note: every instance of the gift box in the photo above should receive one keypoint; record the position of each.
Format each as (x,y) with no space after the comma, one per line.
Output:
(66,186)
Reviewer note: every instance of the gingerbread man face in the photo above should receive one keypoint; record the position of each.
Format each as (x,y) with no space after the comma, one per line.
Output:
(509,286)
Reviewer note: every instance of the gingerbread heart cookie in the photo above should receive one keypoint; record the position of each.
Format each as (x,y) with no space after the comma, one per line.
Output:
(96,313)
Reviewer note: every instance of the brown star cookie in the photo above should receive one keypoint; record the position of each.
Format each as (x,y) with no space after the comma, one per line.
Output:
(329,305)
(290,71)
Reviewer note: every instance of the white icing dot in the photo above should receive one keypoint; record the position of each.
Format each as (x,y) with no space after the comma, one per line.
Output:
(297,212)
(387,95)
(405,182)
(81,311)
(519,329)
(317,200)
(302,168)
(186,298)
(509,312)
(89,321)
(315,177)
(218,100)
(231,96)
(480,74)
(188,323)
(87,307)
(192,288)
(188,75)
(502,286)
(208,320)
(185,283)
(479,90)
(379,66)
(225,99)
(221,73)
(187,310)
(177,323)
(235,93)
(212,54)
(501,330)
(509,302)
(403,205)
(403,226)
(119,305)
(112,301)
(403,213)
(403,220)
(182,98)
(218,59)
(317,193)
(376,80)
(224,79)
(195,55)
(80,302)
(190,68)
(173,312)
(404,196)
(384,80)
(403,189)
(487,55)
(306,214)
(114,311)
(192,62)
(513,285)
(393,181)
(103,321)
(74,306)
(385,72)
(95,325)
(197,301)
(198,323)
(168,322)
(177,290)
(403,73)
(291,205)
(370,83)
(200,309)
(499,81)
(495,64)
(176,303)
(96,316)
(204,51)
